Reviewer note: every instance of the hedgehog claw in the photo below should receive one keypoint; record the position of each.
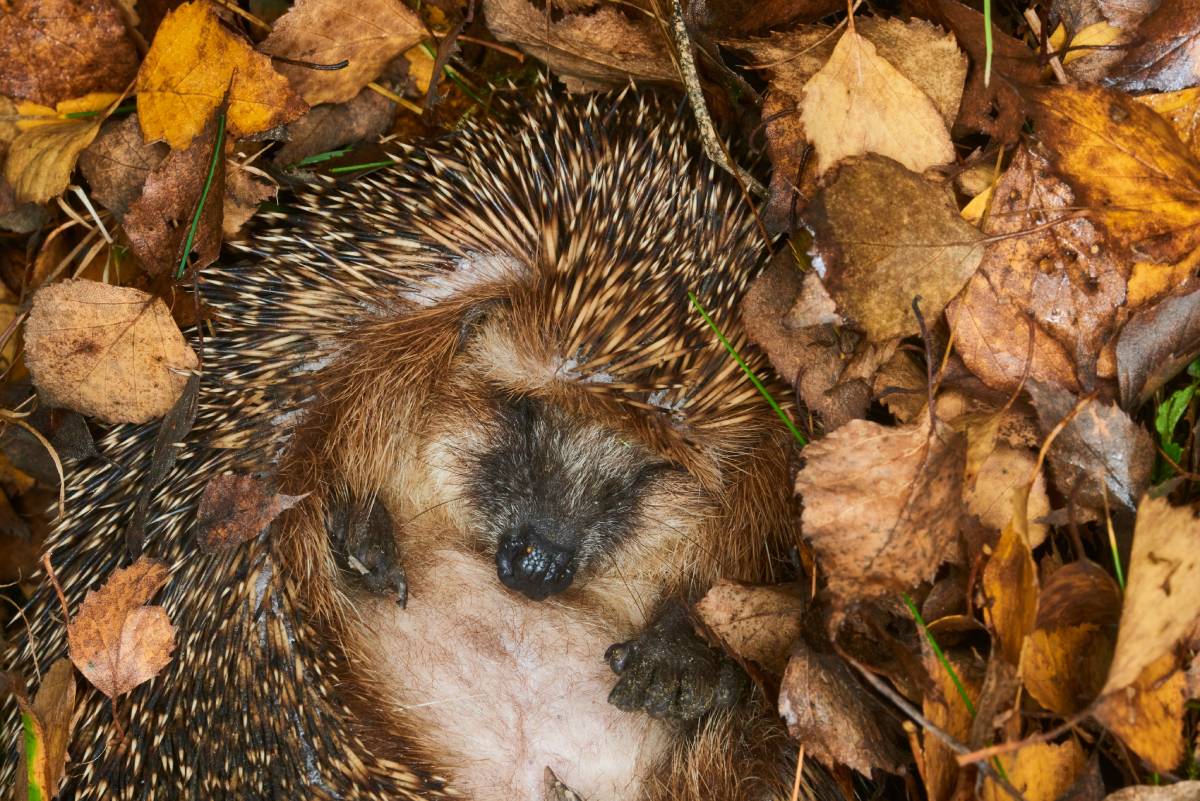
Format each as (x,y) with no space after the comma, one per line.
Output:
(669,672)
(364,542)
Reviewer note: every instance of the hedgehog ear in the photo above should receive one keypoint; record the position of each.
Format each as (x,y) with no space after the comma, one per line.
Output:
(475,316)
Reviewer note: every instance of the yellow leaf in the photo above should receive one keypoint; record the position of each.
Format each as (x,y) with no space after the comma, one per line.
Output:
(1098,34)
(859,103)
(40,160)
(1148,714)
(193,62)
(1130,168)
(1182,110)
(1040,772)
(1063,668)
(33,115)
(1010,583)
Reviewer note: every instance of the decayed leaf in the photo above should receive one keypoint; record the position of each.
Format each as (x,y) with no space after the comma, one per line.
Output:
(42,156)
(234,509)
(55,49)
(1166,54)
(1129,167)
(368,36)
(116,642)
(1148,714)
(47,724)
(158,222)
(1010,585)
(859,103)
(886,236)
(601,47)
(1062,279)
(1040,772)
(882,505)
(1161,601)
(117,163)
(754,623)
(1100,451)
(110,352)
(826,707)
(193,63)
(1155,345)
(326,127)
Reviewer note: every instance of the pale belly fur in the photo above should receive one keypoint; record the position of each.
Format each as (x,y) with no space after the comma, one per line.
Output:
(506,687)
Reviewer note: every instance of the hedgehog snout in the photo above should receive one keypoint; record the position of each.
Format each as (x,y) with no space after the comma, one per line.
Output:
(532,565)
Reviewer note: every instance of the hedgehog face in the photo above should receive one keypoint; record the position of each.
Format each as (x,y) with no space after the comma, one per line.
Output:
(551,493)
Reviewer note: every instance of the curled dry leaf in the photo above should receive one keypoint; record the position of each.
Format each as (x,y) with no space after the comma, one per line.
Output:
(55,49)
(1100,451)
(826,707)
(1130,170)
(1166,54)
(859,103)
(882,505)
(158,223)
(603,46)
(1148,713)
(234,509)
(110,352)
(1061,278)
(193,64)
(884,236)
(1155,345)
(368,36)
(756,624)
(1161,601)
(47,721)
(244,191)
(117,164)
(116,642)
(1039,772)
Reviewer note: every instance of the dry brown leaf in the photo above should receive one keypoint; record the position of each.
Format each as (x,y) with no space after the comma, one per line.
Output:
(116,642)
(234,509)
(826,707)
(244,192)
(859,103)
(326,127)
(110,352)
(117,163)
(1001,478)
(1100,452)
(1062,279)
(1129,167)
(368,35)
(1165,57)
(603,47)
(159,222)
(1148,713)
(1010,586)
(754,623)
(1161,601)
(882,505)
(1040,772)
(1181,791)
(741,17)
(1155,345)
(1063,668)
(55,49)
(194,63)
(885,236)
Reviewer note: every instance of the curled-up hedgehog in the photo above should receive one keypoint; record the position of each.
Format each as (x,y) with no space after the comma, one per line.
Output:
(522,453)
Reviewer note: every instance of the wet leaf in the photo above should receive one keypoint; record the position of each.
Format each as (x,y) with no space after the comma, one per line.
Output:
(234,509)
(56,49)
(115,640)
(368,36)
(1155,345)
(882,505)
(885,236)
(859,103)
(193,63)
(1101,450)
(1128,166)
(826,707)
(110,352)
(1166,54)
(1161,602)
(118,162)
(755,623)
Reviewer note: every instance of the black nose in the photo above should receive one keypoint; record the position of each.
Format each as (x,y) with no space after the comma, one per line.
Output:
(527,563)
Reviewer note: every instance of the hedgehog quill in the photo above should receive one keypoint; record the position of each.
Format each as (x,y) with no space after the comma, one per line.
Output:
(520,453)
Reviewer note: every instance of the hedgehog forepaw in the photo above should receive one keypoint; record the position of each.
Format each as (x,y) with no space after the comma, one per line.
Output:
(363,538)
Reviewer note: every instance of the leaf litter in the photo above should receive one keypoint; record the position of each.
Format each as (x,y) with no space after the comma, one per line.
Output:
(982,303)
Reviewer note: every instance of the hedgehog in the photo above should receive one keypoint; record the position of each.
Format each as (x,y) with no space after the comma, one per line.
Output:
(521,452)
